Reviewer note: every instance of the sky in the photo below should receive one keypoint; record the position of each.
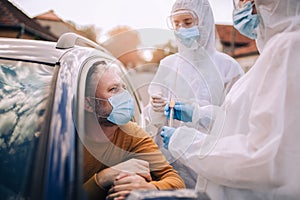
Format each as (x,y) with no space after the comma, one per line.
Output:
(107,14)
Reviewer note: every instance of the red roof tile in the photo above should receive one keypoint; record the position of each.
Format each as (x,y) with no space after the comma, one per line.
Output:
(242,45)
(50,15)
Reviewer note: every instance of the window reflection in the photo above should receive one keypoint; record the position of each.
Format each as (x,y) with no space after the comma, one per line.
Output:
(24,91)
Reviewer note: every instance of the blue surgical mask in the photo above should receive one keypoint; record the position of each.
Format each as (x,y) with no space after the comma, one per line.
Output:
(187,36)
(122,108)
(245,22)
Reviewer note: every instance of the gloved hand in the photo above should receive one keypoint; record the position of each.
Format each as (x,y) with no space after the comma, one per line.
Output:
(182,112)
(166,133)
(158,102)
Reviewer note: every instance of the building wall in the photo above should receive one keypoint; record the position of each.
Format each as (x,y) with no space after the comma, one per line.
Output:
(56,28)
(247,61)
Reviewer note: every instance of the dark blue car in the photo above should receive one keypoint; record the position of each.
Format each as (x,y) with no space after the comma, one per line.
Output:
(41,93)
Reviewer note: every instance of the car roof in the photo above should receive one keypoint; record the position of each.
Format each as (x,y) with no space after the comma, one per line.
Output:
(36,50)
(45,51)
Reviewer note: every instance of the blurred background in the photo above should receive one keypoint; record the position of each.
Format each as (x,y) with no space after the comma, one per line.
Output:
(134,31)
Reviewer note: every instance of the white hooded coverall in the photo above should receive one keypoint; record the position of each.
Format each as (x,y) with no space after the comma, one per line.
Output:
(200,75)
(253,151)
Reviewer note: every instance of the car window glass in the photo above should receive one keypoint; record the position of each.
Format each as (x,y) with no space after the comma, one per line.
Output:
(24,91)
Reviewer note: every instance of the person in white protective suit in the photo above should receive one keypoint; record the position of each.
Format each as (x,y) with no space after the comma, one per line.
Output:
(252,151)
(198,74)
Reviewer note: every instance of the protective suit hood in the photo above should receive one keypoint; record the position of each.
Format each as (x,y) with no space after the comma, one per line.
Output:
(205,22)
(276,16)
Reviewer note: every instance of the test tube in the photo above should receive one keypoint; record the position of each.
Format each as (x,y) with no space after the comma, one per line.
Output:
(172,104)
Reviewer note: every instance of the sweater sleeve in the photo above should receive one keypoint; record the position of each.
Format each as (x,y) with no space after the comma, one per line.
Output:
(164,177)
(93,190)
(167,179)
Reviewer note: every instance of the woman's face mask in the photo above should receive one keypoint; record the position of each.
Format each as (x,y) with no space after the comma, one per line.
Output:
(122,108)
(246,22)
(187,36)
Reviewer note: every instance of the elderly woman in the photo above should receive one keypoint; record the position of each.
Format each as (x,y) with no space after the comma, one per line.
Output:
(119,155)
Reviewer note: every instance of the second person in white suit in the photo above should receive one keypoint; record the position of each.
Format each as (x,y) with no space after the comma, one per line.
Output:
(198,74)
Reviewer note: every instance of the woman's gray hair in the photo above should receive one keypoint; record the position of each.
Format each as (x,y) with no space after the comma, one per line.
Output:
(94,75)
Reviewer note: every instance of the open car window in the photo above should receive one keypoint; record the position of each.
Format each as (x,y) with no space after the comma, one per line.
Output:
(81,114)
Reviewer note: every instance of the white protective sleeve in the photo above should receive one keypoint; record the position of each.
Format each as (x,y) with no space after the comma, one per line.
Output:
(257,149)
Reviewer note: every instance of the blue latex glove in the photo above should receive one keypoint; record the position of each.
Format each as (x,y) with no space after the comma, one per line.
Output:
(182,111)
(166,133)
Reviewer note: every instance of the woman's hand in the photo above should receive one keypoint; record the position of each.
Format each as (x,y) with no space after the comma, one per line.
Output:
(106,177)
(126,182)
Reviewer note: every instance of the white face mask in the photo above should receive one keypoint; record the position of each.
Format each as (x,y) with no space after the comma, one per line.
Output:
(187,36)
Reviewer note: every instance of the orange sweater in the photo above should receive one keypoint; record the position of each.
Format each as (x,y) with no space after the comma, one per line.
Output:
(130,141)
